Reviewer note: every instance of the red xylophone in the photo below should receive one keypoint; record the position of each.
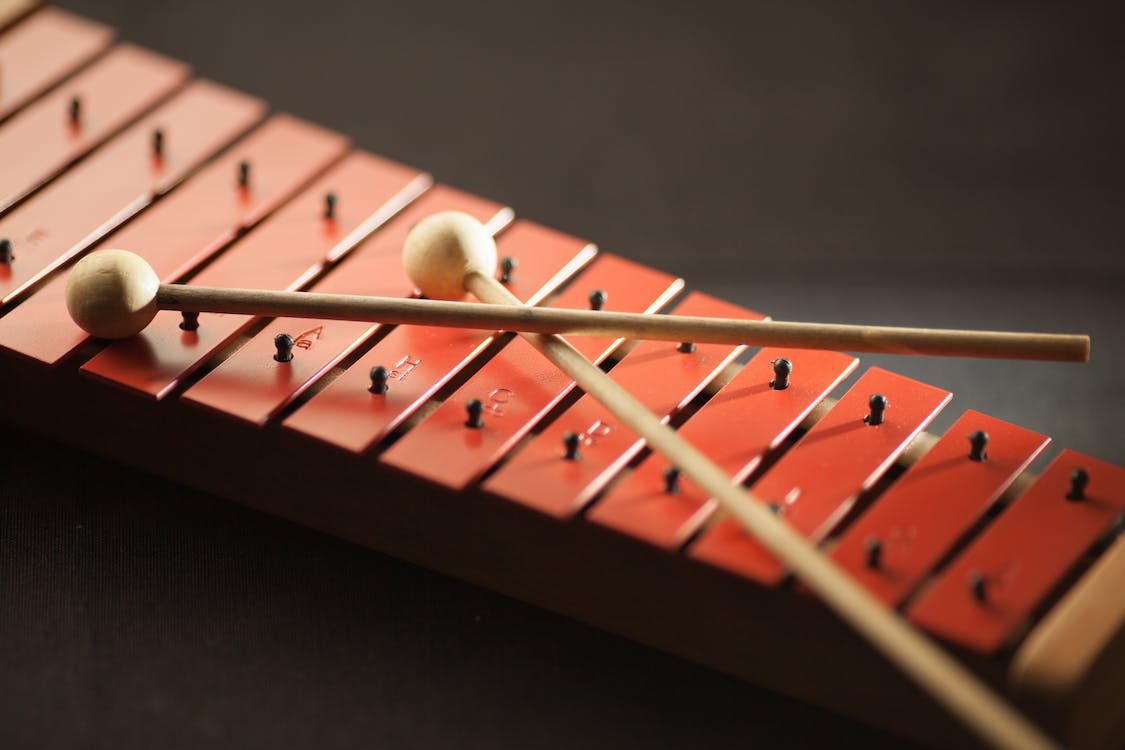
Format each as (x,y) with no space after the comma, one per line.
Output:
(360,429)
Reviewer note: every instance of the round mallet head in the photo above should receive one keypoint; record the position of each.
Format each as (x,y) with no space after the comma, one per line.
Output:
(111,294)
(442,249)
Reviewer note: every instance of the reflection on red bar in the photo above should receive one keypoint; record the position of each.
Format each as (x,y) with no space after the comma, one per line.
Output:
(519,385)
(736,428)
(43,50)
(815,484)
(283,253)
(252,385)
(40,141)
(659,375)
(925,512)
(1002,576)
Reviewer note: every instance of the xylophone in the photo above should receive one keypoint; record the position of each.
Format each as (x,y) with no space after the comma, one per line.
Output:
(404,437)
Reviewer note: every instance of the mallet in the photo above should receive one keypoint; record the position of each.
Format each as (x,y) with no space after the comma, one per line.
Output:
(449,254)
(114,294)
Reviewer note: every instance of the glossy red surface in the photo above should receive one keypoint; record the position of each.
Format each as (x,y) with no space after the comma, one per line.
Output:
(252,386)
(934,504)
(93,198)
(42,50)
(736,428)
(519,385)
(118,181)
(423,358)
(817,481)
(283,253)
(1022,555)
(40,141)
(660,377)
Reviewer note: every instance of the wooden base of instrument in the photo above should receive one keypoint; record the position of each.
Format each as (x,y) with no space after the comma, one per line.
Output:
(777,638)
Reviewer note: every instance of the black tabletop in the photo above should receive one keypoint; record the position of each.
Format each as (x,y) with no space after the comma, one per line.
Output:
(956,165)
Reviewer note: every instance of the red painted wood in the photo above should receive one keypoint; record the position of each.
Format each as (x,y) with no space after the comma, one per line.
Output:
(1022,556)
(519,385)
(285,252)
(40,142)
(252,386)
(658,375)
(936,502)
(736,428)
(42,50)
(119,180)
(421,359)
(284,154)
(816,483)
(94,197)
(173,239)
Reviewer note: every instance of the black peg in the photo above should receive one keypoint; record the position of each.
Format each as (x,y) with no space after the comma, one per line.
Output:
(878,404)
(672,480)
(1079,478)
(244,174)
(189,321)
(571,441)
(686,347)
(979,586)
(782,369)
(378,377)
(475,411)
(284,343)
(874,549)
(330,206)
(507,266)
(158,143)
(6,256)
(75,111)
(598,299)
(978,441)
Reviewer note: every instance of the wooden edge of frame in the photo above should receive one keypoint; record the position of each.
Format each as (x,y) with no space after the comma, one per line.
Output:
(1069,667)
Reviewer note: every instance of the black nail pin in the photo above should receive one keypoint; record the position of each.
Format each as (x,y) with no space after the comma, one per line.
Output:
(978,441)
(1079,478)
(878,405)
(284,343)
(507,266)
(672,480)
(782,369)
(378,377)
(475,411)
(571,441)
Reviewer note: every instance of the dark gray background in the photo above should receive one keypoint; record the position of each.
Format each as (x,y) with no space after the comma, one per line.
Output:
(944,164)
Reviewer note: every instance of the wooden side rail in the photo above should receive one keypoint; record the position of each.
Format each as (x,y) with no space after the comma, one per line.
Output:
(1073,661)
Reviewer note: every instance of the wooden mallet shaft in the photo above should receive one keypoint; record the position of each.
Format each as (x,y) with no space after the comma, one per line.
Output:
(449,254)
(115,294)
(941,676)
(853,338)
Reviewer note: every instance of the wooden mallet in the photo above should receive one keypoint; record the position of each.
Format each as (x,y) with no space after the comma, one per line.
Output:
(114,294)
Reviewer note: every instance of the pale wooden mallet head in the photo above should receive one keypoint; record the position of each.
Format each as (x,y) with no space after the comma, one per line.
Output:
(111,294)
(442,249)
